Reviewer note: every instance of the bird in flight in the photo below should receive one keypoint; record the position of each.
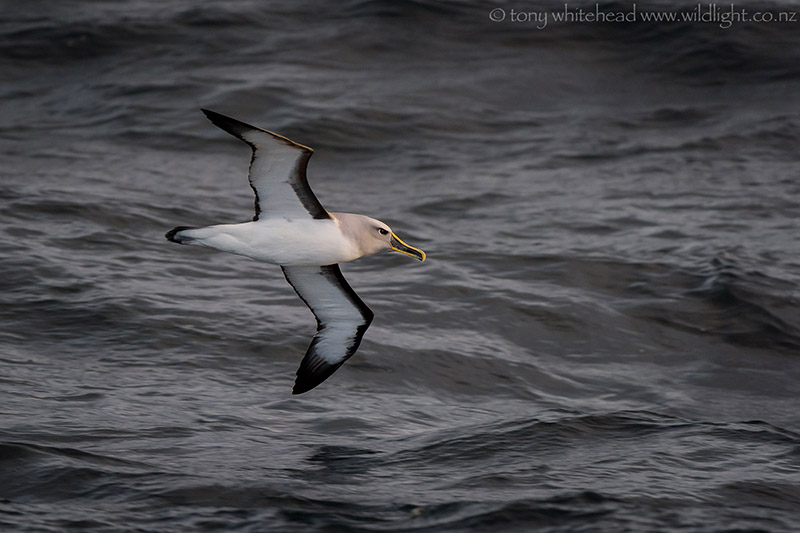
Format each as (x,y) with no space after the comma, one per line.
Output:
(293,230)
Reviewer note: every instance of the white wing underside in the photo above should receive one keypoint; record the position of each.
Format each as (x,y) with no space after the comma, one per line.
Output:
(342,318)
(277,171)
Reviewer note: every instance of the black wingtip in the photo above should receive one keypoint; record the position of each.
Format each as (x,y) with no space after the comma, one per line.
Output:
(214,116)
(313,371)
(237,128)
(229,124)
(171,234)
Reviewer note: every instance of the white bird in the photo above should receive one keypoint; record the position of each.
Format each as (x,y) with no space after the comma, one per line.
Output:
(293,230)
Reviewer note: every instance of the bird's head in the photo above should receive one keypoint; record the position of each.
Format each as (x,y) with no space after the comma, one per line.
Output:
(393,242)
(374,236)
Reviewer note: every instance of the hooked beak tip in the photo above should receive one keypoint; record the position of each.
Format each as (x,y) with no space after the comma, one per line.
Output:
(399,246)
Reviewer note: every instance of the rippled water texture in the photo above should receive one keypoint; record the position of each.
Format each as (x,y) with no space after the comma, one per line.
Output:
(605,336)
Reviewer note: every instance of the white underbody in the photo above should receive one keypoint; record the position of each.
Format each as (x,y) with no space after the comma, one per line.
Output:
(281,241)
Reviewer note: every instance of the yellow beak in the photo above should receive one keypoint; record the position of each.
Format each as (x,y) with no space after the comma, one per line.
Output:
(399,246)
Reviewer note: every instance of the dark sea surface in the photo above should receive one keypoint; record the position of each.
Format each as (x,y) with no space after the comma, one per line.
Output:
(605,336)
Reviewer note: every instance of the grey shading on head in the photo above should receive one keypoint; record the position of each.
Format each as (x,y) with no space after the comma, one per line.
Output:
(365,232)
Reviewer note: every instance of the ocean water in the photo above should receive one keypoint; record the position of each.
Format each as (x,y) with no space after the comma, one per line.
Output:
(605,336)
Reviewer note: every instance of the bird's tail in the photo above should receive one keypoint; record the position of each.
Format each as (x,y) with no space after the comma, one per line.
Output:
(174,235)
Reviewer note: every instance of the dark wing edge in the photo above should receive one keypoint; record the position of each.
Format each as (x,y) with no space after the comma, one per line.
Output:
(314,369)
(302,189)
(237,128)
(298,179)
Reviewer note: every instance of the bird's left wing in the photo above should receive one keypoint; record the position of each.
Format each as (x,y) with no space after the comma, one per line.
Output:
(277,171)
(342,318)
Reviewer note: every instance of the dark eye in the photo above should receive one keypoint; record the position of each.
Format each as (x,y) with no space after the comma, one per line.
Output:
(383,231)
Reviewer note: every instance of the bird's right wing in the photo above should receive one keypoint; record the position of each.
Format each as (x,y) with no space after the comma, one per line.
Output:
(342,318)
(277,171)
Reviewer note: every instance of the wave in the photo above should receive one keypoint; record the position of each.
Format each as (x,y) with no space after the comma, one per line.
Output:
(742,308)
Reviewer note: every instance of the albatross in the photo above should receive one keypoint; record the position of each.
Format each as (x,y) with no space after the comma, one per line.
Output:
(293,230)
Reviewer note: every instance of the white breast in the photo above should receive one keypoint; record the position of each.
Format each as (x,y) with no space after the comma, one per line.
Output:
(281,241)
